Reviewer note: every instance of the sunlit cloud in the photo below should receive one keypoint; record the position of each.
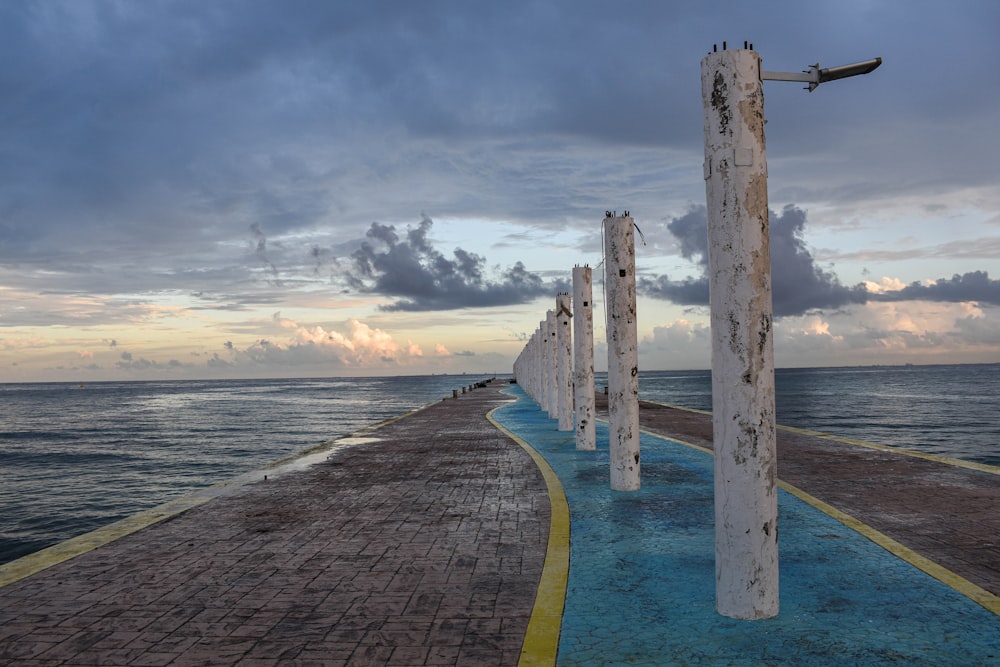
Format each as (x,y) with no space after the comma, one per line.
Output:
(358,346)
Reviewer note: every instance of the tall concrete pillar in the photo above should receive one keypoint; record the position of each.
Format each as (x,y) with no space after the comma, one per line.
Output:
(564,361)
(544,375)
(534,366)
(746,508)
(623,359)
(583,358)
(552,402)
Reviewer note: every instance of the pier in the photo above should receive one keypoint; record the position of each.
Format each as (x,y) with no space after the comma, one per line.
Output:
(938,511)
(421,544)
(443,537)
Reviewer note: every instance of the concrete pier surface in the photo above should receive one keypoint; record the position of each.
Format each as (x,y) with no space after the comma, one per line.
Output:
(945,510)
(443,538)
(641,586)
(421,545)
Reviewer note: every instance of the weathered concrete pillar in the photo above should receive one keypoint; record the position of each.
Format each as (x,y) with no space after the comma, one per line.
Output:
(583,358)
(540,366)
(543,367)
(564,361)
(532,366)
(536,366)
(552,389)
(746,507)
(623,359)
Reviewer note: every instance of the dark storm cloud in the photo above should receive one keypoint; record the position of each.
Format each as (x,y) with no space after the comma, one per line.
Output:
(974,286)
(799,284)
(153,134)
(412,270)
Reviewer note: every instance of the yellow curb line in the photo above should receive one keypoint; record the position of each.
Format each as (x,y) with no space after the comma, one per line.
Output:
(43,559)
(76,546)
(958,463)
(956,582)
(541,640)
(960,584)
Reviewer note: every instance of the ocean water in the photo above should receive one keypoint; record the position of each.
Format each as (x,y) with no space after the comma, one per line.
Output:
(949,410)
(75,458)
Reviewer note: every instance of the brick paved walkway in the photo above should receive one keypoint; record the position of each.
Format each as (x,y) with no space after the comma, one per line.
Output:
(423,548)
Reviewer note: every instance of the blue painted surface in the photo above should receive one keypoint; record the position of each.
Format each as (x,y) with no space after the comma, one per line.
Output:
(642,569)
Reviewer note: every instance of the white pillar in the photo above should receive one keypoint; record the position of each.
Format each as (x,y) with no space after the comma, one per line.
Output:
(746,507)
(538,361)
(564,361)
(544,374)
(552,401)
(527,376)
(536,364)
(583,358)
(623,360)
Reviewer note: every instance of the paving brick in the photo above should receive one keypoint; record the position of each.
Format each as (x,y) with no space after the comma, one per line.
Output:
(352,561)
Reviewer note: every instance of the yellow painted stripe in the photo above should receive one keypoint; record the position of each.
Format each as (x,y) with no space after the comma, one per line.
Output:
(958,463)
(970,590)
(541,641)
(76,546)
(976,593)
(705,450)
(57,553)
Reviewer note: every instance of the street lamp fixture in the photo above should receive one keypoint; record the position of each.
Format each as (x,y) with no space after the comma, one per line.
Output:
(815,76)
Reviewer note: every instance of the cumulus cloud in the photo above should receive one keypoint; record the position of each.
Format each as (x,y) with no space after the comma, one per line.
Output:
(423,278)
(678,344)
(973,286)
(890,332)
(360,346)
(799,284)
(129,363)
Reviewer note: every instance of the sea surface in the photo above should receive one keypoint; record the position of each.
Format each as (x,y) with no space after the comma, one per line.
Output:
(74,458)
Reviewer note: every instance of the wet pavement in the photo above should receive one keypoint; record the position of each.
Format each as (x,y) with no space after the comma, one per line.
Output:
(948,510)
(440,539)
(421,545)
(641,583)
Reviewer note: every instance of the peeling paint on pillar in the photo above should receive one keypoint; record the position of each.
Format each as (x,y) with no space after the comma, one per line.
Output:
(746,512)
(623,360)
(583,358)
(564,361)
(552,361)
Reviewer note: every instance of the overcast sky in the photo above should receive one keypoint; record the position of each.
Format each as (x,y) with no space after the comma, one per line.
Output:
(302,188)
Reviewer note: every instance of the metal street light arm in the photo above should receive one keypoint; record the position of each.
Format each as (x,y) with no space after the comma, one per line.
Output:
(815,76)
